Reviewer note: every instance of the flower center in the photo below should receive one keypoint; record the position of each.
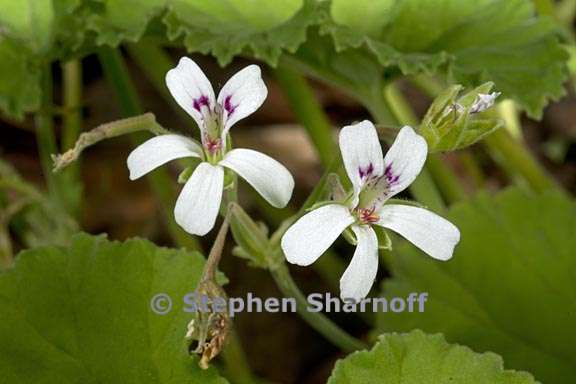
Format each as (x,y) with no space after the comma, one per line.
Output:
(367,215)
(213,145)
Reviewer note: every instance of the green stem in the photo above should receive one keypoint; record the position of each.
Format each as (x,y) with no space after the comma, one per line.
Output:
(545,7)
(71,127)
(423,188)
(234,358)
(160,181)
(47,140)
(155,63)
(316,320)
(515,156)
(452,190)
(509,113)
(72,120)
(472,168)
(308,112)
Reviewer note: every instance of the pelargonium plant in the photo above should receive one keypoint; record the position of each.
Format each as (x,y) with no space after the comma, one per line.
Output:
(435,158)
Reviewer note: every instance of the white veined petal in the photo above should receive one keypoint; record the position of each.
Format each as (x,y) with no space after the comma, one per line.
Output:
(243,94)
(431,233)
(361,152)
(309,237)
(191,89)
(361,272)
(404,160)
(266,175)
(158,151)
(198,204)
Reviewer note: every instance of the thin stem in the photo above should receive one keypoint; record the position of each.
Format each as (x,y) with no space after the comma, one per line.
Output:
(215,255)
(155,63)
(45,129)
(235,360)
(515,156)
(71,127)
(160,181)
(452,190)
(509,113)
(423,188)
(472,168)
(72,119)
(545,7)
(316,320)
(308,112)
(47,140)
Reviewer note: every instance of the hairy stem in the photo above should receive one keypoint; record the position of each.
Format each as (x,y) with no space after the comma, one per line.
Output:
(145,122)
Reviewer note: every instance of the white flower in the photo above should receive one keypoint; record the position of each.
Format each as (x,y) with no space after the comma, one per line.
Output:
(483,102)
(375,179)
(197,206)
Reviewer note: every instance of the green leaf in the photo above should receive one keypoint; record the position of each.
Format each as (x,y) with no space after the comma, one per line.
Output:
(416,358)
(510,287)
(19,80)
(33,33)
(82,314)
(115,21)
(231,27)
(28,21)
(470,41)
(366,16)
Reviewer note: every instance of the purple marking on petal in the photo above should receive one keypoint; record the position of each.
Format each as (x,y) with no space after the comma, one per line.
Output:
(390,176)
(201,102)
(365,173)
(228,105)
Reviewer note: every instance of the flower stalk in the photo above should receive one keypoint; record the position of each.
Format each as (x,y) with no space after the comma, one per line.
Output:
(210,329)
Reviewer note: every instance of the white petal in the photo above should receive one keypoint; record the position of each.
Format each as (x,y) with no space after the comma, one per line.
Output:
(313,233)
(158,151)
(360,274)
(191,89)
(198,204)
(243,94)
(361,152)
(431,233)
(270,178)
(404,160)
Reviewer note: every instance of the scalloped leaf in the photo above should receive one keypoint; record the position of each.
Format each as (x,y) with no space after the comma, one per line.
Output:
(30,22)
(82,314)
(115,21)
(19,81)
(416,358)
(228,28)
(470,41)
(510,287)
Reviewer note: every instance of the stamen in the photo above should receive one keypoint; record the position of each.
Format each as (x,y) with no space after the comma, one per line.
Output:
(367,215)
